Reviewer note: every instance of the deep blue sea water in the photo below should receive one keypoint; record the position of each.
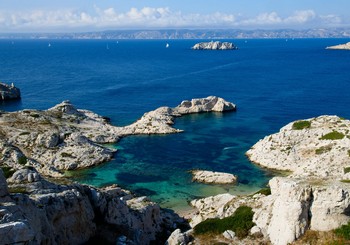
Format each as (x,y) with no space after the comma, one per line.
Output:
(272,82)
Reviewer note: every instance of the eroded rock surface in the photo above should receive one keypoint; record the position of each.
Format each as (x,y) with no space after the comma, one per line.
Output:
(37,211)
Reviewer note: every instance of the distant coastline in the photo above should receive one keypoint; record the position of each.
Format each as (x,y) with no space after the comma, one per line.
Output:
(187,34)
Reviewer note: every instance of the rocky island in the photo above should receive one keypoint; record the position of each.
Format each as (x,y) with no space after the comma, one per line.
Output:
(9,92)
(345,46)
(217,45)
(36,145)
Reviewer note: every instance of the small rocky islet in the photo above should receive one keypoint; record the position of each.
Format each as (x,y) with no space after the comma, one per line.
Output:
(36,145)
(217,45)
(9,92)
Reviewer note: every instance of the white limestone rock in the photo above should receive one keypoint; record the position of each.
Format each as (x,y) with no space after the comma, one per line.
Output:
(210,207)
(345,46)
(213,177)
(304,152)
(228,234)
(217,45)
(211,103)
(178,238)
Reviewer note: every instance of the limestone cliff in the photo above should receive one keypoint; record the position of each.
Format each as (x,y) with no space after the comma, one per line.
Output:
(36,211)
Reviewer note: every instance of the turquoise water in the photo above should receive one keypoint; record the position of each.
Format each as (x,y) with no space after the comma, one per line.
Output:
(272,82)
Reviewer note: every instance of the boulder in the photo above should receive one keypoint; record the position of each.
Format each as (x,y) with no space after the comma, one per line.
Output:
(213,177)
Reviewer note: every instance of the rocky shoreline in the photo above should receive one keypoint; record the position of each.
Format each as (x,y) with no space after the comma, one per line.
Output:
(37,144)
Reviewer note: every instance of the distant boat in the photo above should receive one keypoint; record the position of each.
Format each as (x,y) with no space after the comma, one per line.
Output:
(107,47)
(167,45)
(49,45)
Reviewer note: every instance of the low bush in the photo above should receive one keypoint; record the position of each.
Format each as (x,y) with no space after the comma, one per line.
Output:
(343,231)
(323,149)
(346,170)
(299,125)
(335,135)
(8,171)
(264,191)
(240,222)
(22,160)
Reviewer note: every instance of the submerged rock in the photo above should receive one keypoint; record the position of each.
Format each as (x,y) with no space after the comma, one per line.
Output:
(217,45)
(9,92)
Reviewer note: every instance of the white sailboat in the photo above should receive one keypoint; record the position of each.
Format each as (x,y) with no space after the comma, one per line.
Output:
(167,45)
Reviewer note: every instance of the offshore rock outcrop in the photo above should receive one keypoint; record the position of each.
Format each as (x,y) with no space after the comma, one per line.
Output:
(65,138)
(211,177)
(345,46)
(217,45)
(36,211)
(9,92)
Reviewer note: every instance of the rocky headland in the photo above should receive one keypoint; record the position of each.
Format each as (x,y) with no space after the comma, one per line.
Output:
(65,138)
(217,45)
(9,92)
(345,46)
(35,145)
(315,196)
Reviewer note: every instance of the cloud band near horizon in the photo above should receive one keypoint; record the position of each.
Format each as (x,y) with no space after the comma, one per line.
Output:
(149,17)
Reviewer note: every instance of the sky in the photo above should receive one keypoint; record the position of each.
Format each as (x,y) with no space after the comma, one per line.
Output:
(94,15)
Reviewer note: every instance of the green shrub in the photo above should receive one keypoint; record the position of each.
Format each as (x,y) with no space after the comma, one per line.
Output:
(335,135)
(343,231)
(35,115)
(65,154)
(346,170)
(8,171)
(240,222)
(299,125)
(323,149)
(264,191)
(18,189)
(22,160)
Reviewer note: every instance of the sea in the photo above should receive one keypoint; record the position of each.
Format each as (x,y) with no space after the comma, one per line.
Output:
(272,82)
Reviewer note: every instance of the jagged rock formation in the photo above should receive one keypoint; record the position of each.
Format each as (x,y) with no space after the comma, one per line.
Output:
(65,138)
(35,211)
(9,92)
(217,45)
(345,46)
(211,177)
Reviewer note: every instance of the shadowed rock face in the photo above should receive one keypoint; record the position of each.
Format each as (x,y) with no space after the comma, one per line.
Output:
(37,211)
(9,92)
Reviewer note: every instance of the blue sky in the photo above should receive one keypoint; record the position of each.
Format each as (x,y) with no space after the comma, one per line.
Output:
(90,15)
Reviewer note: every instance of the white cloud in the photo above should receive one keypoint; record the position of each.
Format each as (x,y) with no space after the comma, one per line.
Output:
(149,17)
(301,17)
